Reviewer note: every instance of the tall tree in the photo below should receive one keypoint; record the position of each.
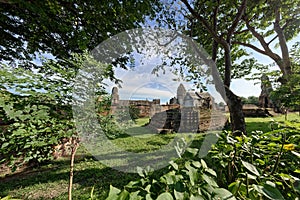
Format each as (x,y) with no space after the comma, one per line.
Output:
(287,94)
(271,22)
(218,21)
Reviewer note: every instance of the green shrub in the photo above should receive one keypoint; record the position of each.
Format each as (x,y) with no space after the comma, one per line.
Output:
(33,127)
(263,165)
(190,180)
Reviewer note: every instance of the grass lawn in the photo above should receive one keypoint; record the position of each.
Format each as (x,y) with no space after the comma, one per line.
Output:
(50,180)
(266,124)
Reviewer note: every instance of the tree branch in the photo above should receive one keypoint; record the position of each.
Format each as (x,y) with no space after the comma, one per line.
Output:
(283,27)
(272,39)
(204,23)
(215,27)
(237,19)
(286,63)
(255,48)
(262,41)
(240,32)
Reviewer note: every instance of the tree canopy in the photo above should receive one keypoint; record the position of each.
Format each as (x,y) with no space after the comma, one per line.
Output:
(61,28)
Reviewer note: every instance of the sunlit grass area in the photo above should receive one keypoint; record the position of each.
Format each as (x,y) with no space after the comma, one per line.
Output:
(267,124)
(142,121)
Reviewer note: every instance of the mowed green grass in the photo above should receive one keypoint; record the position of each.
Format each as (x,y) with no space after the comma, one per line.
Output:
(50,180)
(267,124)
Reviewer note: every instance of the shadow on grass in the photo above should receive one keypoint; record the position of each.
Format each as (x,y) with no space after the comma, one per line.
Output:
(86,175)
(135,131)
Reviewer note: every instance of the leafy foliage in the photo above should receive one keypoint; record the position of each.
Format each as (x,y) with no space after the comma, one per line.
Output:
(263,165)
(287,92)
(260,166)
(61,28)
(190,180)
(32,127)
(36,108)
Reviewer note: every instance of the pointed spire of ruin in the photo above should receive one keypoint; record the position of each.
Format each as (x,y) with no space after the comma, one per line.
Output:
(115,95)
(181,92)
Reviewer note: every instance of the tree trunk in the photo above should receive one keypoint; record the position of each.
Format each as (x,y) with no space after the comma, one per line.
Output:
(237,118)
(74,146)
(285,63)
(233,101)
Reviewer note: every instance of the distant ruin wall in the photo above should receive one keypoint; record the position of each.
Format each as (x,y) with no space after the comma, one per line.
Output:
(187,120)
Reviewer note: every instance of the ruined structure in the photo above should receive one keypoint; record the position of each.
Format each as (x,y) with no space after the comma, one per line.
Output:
(187,112)
(146,107)
(266,89)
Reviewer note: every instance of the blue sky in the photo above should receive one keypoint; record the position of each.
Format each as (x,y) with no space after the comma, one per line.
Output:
(140,83)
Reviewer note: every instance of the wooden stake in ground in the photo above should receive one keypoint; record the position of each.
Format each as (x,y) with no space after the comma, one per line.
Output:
(74,146)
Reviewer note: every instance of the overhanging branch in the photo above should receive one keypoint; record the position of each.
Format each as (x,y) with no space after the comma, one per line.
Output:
(237,18)
(206,25)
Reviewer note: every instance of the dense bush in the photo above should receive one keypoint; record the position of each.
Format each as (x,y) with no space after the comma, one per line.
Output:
(30,128)
(36,106)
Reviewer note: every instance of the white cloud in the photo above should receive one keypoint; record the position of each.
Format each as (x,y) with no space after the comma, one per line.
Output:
(242,87)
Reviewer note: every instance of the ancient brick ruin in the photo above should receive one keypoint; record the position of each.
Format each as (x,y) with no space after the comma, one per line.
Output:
(264,97)
(189,111)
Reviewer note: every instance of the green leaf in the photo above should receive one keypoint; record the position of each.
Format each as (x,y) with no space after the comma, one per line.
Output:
(178,195)
(169,178)
(113,193)
(211,172)
(272,192)
(222,193)
(148,197)
(193,151)
(209,180)
(269,191)
(196,198)
(174,165)
(148,187)
(133,183)
(5,144)
(203,163)
(196,164)
(192,172)
(123,195)
(140,171)
(135,196)
(251,168)
(165,196)
(234,186)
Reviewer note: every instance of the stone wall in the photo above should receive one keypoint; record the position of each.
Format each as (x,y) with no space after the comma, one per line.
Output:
(187,120)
